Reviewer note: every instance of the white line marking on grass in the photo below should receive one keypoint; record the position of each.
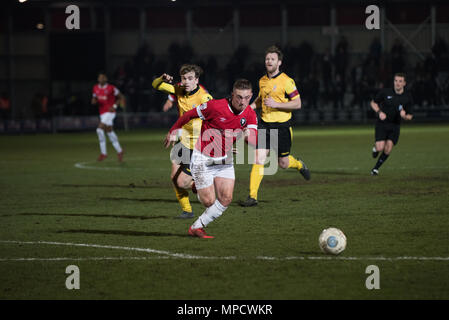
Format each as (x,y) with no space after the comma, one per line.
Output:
(367,169)
(167,254)
(147,250)
(87,165)
(367,258)
(82,259)
(83,165)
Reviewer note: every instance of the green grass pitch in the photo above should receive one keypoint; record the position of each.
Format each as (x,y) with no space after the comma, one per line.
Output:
(59,207)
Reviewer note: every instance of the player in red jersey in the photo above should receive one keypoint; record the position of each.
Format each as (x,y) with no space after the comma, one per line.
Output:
(212,167)
(106,96)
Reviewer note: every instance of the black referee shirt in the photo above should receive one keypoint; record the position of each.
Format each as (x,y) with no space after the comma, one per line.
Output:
(392,103)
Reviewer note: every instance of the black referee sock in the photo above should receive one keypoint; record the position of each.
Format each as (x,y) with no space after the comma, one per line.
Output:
(383,157)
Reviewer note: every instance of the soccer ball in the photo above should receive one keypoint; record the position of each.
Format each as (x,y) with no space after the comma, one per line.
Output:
(332,241)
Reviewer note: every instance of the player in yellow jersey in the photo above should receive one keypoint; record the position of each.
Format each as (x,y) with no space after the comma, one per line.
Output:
(189,94)
(278,97)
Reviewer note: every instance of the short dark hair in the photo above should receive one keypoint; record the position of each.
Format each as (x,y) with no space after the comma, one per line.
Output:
(242,84)
(274,49)
(102,72)
(186,68)
(400,74)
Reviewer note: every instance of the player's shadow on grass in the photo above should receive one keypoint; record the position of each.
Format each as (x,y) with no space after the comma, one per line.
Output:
(337,172)
(142,200)
(238,203)
(126,233)
(129,186)
(90,215)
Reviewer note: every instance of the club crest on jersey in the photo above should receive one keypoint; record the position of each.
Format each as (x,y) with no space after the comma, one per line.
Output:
(242,122)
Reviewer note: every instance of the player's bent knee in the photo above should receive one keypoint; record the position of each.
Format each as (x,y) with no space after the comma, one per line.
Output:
(225,200)
(208,201)
(184,182)
(206,198)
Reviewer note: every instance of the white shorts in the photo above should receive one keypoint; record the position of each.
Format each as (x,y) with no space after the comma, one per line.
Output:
(107,118)
(204,170)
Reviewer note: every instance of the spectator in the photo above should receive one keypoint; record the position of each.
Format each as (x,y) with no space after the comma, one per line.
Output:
(341,58)
(326,75)
(39,106)
(375,50)
(356,78)
(339,92)
(397,57)
(5,106)
(312,86)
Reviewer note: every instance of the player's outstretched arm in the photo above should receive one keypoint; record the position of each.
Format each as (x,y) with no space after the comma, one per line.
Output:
(163,83)
(170,139)
(184,119)
(250,135)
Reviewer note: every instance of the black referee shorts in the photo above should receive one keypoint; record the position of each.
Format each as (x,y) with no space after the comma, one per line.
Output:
(387,131)
(267,131)
(182,155)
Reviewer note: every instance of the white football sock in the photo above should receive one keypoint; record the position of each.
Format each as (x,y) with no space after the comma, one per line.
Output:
(102,140)
(209,215)
(114,140)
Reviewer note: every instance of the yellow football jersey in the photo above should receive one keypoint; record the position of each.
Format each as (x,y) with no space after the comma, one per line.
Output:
(281,88)
(186,102)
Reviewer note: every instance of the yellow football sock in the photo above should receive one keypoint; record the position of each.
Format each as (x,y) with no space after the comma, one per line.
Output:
(255,179)
(183,197)
(293,163)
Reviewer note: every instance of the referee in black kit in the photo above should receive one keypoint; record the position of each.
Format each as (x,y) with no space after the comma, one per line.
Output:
(390,104)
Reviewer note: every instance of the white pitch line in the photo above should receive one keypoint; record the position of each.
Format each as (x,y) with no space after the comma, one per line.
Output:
(358,258)
(82,165)
(82,259)
(364,169)
(168,254)
(85,165)
(147,250)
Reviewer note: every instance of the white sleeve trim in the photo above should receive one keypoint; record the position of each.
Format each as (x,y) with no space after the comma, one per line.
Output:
(200,114)
(252,126)
(116,91)
(199,108)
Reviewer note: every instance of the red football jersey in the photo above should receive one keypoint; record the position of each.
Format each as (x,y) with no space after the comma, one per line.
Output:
(106,96)
(221,127)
